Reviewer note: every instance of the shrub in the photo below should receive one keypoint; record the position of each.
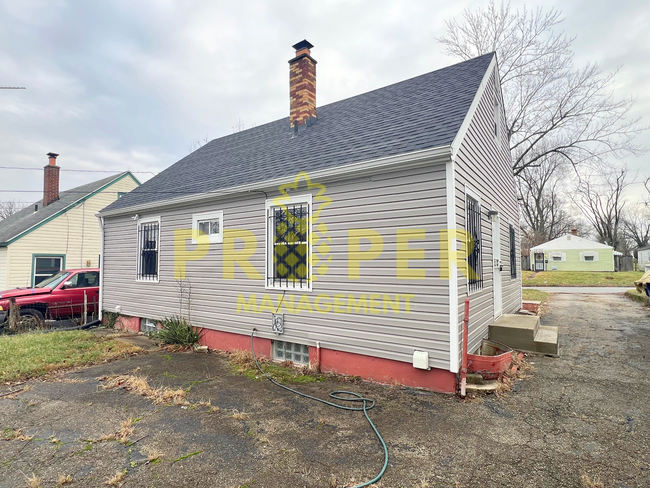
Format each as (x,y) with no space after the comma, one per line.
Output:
(177,330)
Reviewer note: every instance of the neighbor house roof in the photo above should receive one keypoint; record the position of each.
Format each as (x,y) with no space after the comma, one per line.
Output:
(570,242)
(26,220)
(645,248)
(417,114)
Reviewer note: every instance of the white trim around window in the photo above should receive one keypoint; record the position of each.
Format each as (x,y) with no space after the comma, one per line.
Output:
(141,274)
(213,220)
(270,282)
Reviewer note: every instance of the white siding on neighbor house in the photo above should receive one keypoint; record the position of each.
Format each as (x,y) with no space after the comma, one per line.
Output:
(3,268)
(483,165)
(74,234)
(644,258)
(414,198)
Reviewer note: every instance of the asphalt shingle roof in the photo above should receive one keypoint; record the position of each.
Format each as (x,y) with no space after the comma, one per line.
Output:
(26,218)
(420,113)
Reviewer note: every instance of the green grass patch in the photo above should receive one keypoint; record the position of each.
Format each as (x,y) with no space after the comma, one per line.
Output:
(187,456)
(243,363)
(637,297)
(535,295)
(580,278)
(30,355)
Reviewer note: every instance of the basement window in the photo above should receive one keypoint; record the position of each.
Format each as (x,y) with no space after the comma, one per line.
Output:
(148,326)
(290,351)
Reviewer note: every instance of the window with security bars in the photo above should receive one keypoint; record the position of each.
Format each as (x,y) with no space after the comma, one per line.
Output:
(474,244)
(289,247)
(289,351)
(513,253)
(148,243)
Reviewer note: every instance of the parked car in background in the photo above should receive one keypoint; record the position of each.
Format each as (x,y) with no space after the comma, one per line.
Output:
(59,296)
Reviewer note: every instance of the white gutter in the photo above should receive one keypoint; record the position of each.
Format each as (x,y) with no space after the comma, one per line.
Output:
(436,155)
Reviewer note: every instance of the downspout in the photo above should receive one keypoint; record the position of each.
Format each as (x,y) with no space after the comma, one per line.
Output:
(101,267)
(463,370)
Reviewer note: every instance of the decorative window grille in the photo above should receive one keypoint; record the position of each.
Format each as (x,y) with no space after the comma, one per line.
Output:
(513,253)
(148,241)
(289,351)
(474,242)
(288,229)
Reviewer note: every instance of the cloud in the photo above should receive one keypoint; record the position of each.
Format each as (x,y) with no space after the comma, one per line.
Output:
(129,85)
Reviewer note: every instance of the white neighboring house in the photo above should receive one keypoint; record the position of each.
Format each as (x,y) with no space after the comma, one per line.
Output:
(643,256)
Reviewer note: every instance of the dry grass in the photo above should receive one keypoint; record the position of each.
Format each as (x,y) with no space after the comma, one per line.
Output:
(33,481)
(243,362)
(153,454)
(587,482)
(140,386)
(15,435)
(117,479)
(237,415)
(64,480)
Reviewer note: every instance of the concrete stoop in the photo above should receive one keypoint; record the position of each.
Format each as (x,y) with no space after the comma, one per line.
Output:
(525,333)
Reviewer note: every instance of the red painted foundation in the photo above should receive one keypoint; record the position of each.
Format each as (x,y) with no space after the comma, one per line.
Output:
(370,368)
(127,323)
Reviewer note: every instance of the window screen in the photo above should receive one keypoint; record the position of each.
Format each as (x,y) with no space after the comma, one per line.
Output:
(473,245)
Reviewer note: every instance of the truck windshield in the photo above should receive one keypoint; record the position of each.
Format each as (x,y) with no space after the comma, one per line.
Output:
(53,280)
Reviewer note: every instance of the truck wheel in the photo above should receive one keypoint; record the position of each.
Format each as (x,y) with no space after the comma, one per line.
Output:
(31,318)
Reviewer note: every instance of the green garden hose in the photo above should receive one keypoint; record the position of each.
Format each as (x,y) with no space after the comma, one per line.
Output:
(368,403)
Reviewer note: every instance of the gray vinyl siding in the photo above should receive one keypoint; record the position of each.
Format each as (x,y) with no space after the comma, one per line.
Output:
(414,198)
(484,166)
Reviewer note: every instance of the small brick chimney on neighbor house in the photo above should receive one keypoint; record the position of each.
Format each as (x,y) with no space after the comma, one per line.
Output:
(574,231)
(302,86)
(51,181)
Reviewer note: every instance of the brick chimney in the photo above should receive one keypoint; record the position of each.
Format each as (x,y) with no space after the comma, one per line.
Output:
(574,231)
(302,86)
(51,181)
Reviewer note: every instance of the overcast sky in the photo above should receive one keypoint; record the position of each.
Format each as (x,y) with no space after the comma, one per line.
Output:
(119,85)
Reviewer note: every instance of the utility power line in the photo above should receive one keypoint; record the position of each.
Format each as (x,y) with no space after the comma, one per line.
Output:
(79,170)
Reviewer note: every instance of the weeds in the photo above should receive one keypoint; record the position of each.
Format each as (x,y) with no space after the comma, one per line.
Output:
(140,386)
(587,482)
(178,331)
(64,480)
(244,363)
(187,456)
(237,415)
(33,481)
(15,435)
(117,479)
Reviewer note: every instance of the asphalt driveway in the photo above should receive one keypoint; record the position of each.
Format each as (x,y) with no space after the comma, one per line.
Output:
(577,420)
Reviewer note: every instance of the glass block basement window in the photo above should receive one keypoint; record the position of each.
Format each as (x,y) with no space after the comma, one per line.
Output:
(289,351)
(148,326)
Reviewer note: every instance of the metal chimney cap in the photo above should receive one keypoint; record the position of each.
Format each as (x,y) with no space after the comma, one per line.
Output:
(52,155)
(303,44)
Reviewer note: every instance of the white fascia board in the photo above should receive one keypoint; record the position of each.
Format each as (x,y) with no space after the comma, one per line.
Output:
(436,155)
(464,127)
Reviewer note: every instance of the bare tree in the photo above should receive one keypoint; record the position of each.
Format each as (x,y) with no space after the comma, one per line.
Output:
(197,143)
(544,208)
(552,107)
(7,209)
(636,224)
(600,198)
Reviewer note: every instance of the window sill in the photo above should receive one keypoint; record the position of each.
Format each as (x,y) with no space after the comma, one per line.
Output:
(147,280)
(288,288)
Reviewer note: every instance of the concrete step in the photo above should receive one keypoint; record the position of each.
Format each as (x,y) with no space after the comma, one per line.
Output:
(546,340)
(516,331)
(524,333)
(488,386)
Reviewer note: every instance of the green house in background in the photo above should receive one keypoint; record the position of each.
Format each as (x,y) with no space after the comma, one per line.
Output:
(573,253)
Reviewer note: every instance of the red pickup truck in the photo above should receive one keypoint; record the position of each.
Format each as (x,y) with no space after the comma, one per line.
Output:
(57,297)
